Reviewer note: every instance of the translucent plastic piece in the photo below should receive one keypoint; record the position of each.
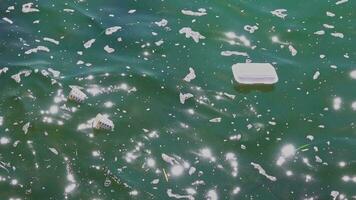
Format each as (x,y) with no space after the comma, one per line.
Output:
(254,73)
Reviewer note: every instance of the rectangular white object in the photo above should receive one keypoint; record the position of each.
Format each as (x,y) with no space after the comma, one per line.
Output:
(254,73)
(103,122)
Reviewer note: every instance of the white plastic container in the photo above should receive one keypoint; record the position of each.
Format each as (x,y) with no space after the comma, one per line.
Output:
(103,122)
(77,95)
(254,73)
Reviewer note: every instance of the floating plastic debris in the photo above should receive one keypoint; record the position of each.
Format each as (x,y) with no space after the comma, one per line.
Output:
(215,120)
(25,127)
(201,12)
(231,96)
(3,70)
(112,30)
(328,26)
(334,194)
(341,2)
(26,8)
(178,196)
(192,170)
(189,33)
(159,43)
(254,73)
(103,122)
(292,50)
(321,32)
(169,159)
(53,150)
(236,190)
(330,14)
(316,75)
(212,195)
(77,95)
(338,35)
(7,20)
(17,77)
(279,13)
(251,29)
(55,73)
(352,74)
(184,97)
(353,106)
(162,23)
(4,140)
(89,43)
(263,172)
(236,53)
(38,48)
(51,40)
(191,76)
(337,103)
(68,10)
(109,49)
(231,158)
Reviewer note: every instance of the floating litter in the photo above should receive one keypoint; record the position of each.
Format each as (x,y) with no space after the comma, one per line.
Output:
(77,95)
(254,73)
(103,122)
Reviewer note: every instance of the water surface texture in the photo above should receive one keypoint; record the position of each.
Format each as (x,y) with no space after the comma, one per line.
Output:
(183,128)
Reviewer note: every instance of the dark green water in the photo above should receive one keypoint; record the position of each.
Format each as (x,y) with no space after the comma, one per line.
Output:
(309,122)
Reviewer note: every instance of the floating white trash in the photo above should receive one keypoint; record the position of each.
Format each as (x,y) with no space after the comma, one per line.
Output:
(254,73)
(103,122)
(77,95)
